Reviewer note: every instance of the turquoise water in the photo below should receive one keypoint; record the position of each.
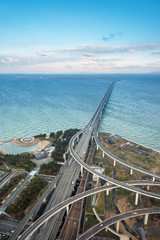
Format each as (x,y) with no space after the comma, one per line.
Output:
(33,104)
(14,149)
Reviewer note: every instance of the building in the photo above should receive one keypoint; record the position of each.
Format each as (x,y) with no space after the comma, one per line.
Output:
(49,150)
(99,170)
(125,146)
(112,139)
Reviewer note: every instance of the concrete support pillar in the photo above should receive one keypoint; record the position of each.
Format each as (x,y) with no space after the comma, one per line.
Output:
(146,219)
(97,147)
(97,180)
(55,185)
(114,163)
(131,171)
(78,138)
(103,154)
(117,227)
(97,134)
(136,199)
(67,209)
(153,179)
(81,171)
(64,156)
(68,154)
(148,188)
(107,191)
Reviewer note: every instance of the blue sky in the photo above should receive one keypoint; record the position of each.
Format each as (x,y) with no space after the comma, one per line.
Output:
(72,36)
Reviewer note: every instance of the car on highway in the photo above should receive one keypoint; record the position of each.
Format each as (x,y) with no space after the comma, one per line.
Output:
(134,213)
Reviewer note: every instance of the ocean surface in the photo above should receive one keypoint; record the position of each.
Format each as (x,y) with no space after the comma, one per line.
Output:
(33,104)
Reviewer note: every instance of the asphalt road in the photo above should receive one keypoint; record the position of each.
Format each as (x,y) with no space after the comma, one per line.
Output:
(79,155)
(97,228)
(15,193)
(34,209)
(7,178)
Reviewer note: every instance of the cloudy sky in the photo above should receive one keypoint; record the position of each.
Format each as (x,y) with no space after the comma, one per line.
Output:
(79,36)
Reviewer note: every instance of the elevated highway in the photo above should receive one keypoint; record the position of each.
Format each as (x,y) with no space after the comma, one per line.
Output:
(83,137)
(109,179)
(91,131)
(108,222)
(65,204)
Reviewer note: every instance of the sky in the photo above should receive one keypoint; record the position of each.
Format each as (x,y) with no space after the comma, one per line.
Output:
(79,36)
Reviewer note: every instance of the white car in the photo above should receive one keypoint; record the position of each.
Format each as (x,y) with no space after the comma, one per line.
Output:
(134,213)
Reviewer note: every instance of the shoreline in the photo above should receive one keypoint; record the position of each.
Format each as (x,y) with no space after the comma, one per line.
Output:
(18,143)
(134,142)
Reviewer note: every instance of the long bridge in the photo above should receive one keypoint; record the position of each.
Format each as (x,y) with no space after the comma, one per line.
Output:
(82,139)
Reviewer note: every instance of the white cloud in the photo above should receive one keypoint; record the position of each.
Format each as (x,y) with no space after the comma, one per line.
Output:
(90,50)
(86,54)
(86,59)
(9,60)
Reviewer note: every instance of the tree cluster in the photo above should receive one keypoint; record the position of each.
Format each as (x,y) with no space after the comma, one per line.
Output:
(29,194)
(19,161)
(40,136)
(51,168)
(60,146)
(10,186)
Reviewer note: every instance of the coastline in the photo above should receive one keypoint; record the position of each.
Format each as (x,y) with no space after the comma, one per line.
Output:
(44,143)
(133,141)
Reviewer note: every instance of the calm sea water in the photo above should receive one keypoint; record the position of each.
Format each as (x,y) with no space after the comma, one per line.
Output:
(33,104)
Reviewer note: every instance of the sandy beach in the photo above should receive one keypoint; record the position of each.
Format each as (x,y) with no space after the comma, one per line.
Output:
(44,143)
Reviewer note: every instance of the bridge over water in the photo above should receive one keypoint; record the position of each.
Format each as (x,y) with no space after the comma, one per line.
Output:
(82,139)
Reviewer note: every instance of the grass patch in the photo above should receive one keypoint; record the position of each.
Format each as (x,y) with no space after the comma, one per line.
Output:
(108,171)
(88,205)
(90,221)
(122,192)
(3,166)
(97,160)
(100,205)
(108,203)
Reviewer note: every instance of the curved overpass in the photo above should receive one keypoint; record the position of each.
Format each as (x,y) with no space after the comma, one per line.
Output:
(106,178)
(31,229)
(100,226)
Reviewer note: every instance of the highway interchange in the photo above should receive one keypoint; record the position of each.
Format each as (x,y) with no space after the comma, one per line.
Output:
(78,154)
(106,223)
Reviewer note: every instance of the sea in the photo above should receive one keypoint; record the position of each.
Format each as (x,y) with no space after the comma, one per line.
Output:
(34,104)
